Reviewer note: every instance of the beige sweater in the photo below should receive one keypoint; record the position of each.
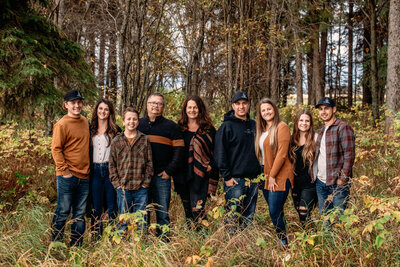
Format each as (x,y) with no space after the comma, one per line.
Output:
(70,147)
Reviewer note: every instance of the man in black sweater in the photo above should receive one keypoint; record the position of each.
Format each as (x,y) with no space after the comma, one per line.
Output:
(167,146)
(235,155)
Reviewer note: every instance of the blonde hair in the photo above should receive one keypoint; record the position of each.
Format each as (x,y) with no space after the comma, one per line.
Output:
(262,126)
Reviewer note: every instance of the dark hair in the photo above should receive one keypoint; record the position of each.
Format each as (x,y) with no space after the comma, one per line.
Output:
(309,145)
(112,128)
(130,109)
(203,120)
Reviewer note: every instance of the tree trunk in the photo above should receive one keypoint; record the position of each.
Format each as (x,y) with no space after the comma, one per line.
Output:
(112,69)
(299,72)
(338,83)
(229,47)
(374,65)
(366,84)
(322,57)
(193,75)
(285,83)
(350,57)
(123,56)
(393,70)
(102,51)
(310,89)
(274,76)
(60,14)
(330,67)
(198,52)
(316,82)
(274,57)
(48,112)
(92,50)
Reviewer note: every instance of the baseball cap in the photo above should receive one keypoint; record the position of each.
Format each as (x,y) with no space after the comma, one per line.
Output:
(326,101)
(72,95)
(240,95)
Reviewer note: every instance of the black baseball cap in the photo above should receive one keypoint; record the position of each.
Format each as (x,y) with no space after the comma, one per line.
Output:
(240,95)
(326,101)
(72,95)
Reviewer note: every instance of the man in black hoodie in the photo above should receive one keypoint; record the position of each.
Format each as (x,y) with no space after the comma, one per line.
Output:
(236,159)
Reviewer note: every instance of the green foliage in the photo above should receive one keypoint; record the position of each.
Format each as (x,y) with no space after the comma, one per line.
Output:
(174,101)
(37,63)
(25,158)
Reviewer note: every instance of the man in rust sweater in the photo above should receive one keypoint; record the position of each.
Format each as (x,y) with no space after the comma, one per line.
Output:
(70,150)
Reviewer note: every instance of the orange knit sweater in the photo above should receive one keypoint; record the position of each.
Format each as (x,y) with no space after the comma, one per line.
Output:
(70,147)
(279,165)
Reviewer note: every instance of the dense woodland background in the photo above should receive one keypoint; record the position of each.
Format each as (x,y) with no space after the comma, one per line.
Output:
(126,49)
(294,51)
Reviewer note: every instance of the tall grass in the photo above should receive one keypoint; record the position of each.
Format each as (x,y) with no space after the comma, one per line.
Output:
(368,236)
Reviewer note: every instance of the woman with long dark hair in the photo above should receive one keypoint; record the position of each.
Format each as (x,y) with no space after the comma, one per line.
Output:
(272,146)
(302,152)
(199,174)
(103,129)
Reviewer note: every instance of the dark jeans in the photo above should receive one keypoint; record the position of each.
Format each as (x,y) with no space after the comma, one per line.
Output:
(131,201)
(240,199)
(193,195)
(72,193)
(276,201)
(183,191)
(332,196)
(103,195)
(304,200)
(160,195)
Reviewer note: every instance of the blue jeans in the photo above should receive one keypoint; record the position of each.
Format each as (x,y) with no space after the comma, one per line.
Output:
(276,201)
(103,195)
(339,196)
(72,193)
(131,201)
(240,198)
(160,195)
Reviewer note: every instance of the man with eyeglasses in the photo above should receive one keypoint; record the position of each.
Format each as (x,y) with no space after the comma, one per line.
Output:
(167,146)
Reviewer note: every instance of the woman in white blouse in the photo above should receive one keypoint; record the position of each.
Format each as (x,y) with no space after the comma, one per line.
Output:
(102,130)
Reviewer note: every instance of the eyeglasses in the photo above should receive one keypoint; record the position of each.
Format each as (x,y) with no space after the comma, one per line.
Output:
(160,104)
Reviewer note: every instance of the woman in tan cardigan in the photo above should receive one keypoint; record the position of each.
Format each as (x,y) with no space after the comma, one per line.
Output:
(272,146)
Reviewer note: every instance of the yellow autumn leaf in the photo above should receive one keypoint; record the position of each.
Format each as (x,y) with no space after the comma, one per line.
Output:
(368,228)
(310,241)
(188,260)
(117,239)
(195,259)
(205,223)
(210,262)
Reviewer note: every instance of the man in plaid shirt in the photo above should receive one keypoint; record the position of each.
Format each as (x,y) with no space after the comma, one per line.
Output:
(334,159)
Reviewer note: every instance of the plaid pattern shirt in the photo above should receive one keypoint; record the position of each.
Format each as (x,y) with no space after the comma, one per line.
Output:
(340,152)
(131,167)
